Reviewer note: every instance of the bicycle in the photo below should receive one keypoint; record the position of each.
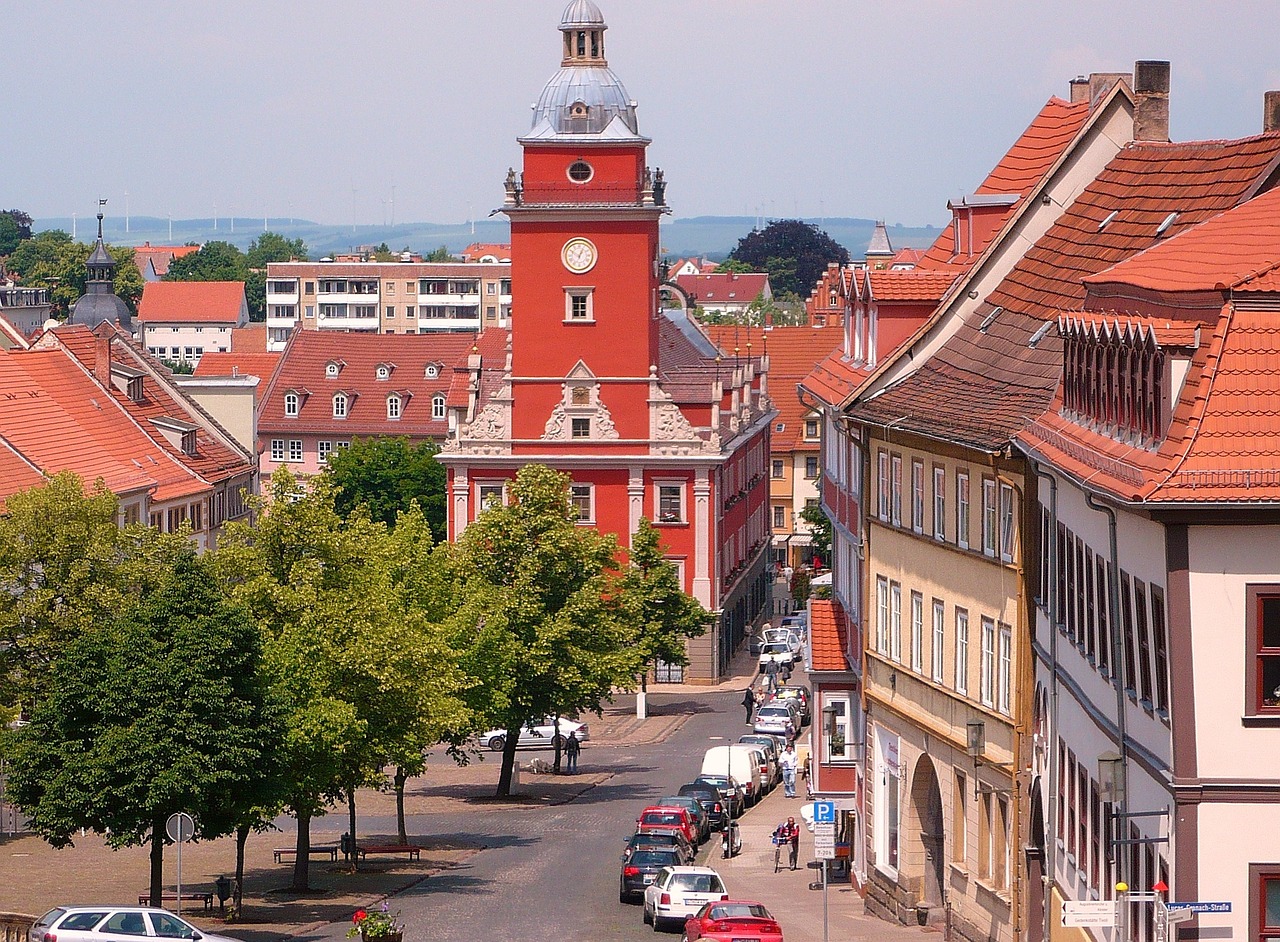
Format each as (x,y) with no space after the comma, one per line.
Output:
(777,854)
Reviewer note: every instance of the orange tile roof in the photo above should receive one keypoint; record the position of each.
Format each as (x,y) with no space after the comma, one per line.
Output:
(478,250)
(251,339)
(1223,251)
(910,284)
(16,473)
(828,637)
(261,365)
(736,288)
(1021,168)
(193,302)
(160,256)
(1121,324)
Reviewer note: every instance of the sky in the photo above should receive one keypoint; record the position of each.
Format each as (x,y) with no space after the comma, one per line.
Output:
(347,112)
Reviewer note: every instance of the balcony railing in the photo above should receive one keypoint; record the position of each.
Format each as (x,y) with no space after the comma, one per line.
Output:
(647,190)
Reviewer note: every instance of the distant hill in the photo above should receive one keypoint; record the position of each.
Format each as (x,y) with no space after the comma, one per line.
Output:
(710,236)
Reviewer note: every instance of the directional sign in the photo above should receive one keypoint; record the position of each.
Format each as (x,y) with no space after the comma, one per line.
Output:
(824,812)
(1181,914)
(824,841)
(1098,913)
(1216,907)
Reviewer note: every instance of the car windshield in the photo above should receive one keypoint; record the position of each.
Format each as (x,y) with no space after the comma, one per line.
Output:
(773,647)
(697,883)
(83,921)
(668,818)
(653,858)
(737,911)
(774,711)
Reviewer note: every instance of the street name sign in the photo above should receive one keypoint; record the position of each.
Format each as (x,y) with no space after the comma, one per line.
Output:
(1215,907)
(824,841)
(824,812)
(1099,913)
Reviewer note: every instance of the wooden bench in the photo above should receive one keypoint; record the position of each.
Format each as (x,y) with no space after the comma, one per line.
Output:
(330,849)
(144,899)
(413,850)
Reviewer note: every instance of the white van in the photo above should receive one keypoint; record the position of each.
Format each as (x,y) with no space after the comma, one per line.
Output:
(740,761)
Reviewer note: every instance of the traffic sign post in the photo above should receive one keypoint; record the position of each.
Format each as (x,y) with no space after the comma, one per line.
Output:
(824,849)
(824,841)
(180,827)
(824,812)
(1096,913)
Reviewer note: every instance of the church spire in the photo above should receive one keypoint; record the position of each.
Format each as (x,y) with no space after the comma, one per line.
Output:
(583,27)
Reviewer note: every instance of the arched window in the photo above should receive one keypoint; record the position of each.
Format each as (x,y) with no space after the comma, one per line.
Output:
(340,406)
(291,404)
(437,406)
(393,406)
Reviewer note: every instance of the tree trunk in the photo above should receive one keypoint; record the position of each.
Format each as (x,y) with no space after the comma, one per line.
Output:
(555,744)
(399,780)
(302,857)
(351,823)
(157,861)
(237,891)
(508,763)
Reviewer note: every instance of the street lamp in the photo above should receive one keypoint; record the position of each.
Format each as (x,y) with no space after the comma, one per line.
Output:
(975,740)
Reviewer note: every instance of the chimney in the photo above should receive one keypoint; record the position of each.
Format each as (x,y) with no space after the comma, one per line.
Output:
(1102,82)
(1271,111)
(1151,88)
(102,358)
(1079,89)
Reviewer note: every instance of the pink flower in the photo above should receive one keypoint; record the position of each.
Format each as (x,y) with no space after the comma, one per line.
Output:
(360,916)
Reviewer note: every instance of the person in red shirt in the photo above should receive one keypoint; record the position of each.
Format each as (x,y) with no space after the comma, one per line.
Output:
(788,832)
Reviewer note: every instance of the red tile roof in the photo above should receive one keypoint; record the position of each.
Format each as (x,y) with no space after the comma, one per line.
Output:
(911,284)
(193,302)
(251,339)
(724,288)
(1021,168)
(987,381)
(160,256)
(16,473)
(828,637)
(303,365)
(478,250)
(261,365)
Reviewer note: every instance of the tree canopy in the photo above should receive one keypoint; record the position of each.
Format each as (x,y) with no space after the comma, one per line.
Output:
(386,475)
(794,253)
(15,226)
(657,612)
(51,260)
(820,528)
(222,261)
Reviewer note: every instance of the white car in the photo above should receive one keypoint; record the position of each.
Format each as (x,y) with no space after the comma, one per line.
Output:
(115,924)
(540,736)
(777,651)
(783,636)
(679,892)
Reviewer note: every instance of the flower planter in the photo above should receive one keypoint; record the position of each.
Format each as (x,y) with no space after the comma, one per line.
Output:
(385,937)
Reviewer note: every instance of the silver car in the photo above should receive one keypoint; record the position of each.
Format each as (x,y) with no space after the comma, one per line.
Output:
(115,924)
(777,719)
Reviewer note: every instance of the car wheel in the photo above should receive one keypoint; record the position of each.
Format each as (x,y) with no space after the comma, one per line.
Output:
(497,743)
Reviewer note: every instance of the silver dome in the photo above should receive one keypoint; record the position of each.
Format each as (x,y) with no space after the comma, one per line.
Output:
(581,13)
(575,88)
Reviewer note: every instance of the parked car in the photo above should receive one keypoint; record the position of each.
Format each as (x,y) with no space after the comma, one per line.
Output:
(771,750)
(669,838)
(776,718)
(798,693)
(739,762)
(679,892)
(778,652)
(539,735)
(711,800)
(731,920)
(733,794)
(792,704)
(662,817)
(641,868)
(785,636)
(694,807)
(114,924)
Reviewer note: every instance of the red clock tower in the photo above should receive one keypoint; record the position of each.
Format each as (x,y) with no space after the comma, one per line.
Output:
(635,403)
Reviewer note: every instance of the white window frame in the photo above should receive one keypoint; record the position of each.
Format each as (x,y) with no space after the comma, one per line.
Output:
(917,632)
(292,402)
(895,490)
(963,510)
(340,405)
(323,450)
(485,489)
(962,651)
(578,490)
(1004,674)
(987,669)
(295,449)
(940,503)
(658,487)
(938,649)
(1008,522)
(778,469)
(882,486)
(888,803)
(842,723)
(990,517)
(779,516)
(895,620)
(394,410)
(438,410)
(586,293)
(277,449)
(882,615)
(917,495)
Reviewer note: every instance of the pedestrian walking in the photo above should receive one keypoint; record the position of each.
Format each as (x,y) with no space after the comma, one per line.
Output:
(749,703)
(788,762)
(771,676)
(572,749)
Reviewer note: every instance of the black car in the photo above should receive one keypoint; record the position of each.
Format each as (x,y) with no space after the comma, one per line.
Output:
(639,870)
(660,840)
(711,801)
(729,793)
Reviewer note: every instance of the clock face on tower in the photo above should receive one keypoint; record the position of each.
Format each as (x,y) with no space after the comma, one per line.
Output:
(579,255)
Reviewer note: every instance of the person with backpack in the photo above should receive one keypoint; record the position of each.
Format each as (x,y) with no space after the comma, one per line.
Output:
(572,749)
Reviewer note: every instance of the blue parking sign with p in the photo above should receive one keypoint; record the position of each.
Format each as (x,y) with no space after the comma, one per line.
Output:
(824,812)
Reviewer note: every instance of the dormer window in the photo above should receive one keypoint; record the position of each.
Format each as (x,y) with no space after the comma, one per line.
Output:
(393,407)
(1114,380)
(333,368)
(291,403)
(437,406)
(578,110)
(340,406)
(383,371)
(432,371)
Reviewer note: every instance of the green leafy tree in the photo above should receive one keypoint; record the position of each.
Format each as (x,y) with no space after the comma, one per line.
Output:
(387,475)
(61,562)
(820,528)
(732,266)
(441,254)
(793,252)
(660,616)
(268,247)
(15,226)
(215,261)
(162,709)
(535,624)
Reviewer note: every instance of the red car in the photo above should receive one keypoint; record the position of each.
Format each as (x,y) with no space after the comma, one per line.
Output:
(668,818)
(733,920)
